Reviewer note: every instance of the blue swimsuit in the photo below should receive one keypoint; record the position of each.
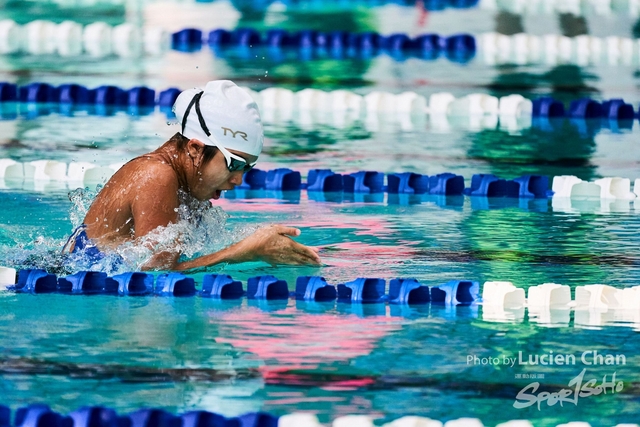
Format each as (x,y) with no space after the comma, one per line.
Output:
(90,251)
(82,242)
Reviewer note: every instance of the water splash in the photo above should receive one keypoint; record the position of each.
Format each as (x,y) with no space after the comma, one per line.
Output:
(81,199)
(201,229)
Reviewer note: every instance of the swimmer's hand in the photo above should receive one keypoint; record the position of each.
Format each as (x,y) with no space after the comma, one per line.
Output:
(273,245)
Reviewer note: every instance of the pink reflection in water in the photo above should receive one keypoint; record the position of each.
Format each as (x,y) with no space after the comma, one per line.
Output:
(323,216)
(292,339)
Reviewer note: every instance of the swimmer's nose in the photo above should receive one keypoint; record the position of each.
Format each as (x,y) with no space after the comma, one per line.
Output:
(236,178)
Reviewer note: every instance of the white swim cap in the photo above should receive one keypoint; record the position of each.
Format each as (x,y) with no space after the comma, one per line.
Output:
(226,112)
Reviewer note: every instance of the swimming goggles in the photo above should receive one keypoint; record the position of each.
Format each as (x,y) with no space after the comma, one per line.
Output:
(234,162)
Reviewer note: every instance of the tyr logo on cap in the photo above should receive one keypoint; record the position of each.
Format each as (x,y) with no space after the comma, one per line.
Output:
(243,135)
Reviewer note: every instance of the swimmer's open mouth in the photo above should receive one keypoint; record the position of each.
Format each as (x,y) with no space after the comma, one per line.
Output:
(217,194)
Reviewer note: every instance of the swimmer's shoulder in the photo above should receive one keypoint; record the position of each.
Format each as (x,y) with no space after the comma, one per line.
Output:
(149,169)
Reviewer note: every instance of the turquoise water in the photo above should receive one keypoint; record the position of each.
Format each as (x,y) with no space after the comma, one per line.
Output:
(334,359)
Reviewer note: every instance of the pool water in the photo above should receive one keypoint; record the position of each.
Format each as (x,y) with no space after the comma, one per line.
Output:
(336,359)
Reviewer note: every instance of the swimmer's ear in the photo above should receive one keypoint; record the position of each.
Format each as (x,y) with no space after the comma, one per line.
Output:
(194,148)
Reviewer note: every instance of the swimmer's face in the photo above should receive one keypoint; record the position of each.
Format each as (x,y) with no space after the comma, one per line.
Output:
(214,177)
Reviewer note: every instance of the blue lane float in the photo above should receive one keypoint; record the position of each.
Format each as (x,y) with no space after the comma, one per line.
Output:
(73,94)
(206,419)
(458,47)
(257,419)
(408,291)
(36,282)
(152,418)
(617,109)
(221,286)
(532,187)
(87,282)
(446,184)
(407,183)
(363,182)
(368,186)
(42,93)
(108,95)
(95,416)
(487,185)
(175,284)
(398,42)
(313,5)
(305,39)
(585,108)
(526,187)
(362,290)
(429,46)
(456,292)
(219,37)
(168,97)
(335,40)
(364,42)
(277,38)
(134,283)
(314,288)
(8,92)
(141,96)
(282,179)
(545,110)
(5,416)
(40,416)
(547,107)
(246,37)
(267,288)
(255,179)
(187,40)
(402,291)
(324,180)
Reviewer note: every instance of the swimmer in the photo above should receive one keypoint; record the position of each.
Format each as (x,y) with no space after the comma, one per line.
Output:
(221,140)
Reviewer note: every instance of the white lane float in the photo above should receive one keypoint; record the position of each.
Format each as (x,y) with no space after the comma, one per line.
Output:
(10,36)
(97,39)
(68,38)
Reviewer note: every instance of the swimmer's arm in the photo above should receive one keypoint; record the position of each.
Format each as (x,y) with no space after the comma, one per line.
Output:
(269,244)
(154,205)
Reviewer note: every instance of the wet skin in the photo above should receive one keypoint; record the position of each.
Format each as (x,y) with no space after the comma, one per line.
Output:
(143,195)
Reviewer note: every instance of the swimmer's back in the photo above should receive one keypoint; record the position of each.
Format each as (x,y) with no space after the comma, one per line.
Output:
(146,185)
